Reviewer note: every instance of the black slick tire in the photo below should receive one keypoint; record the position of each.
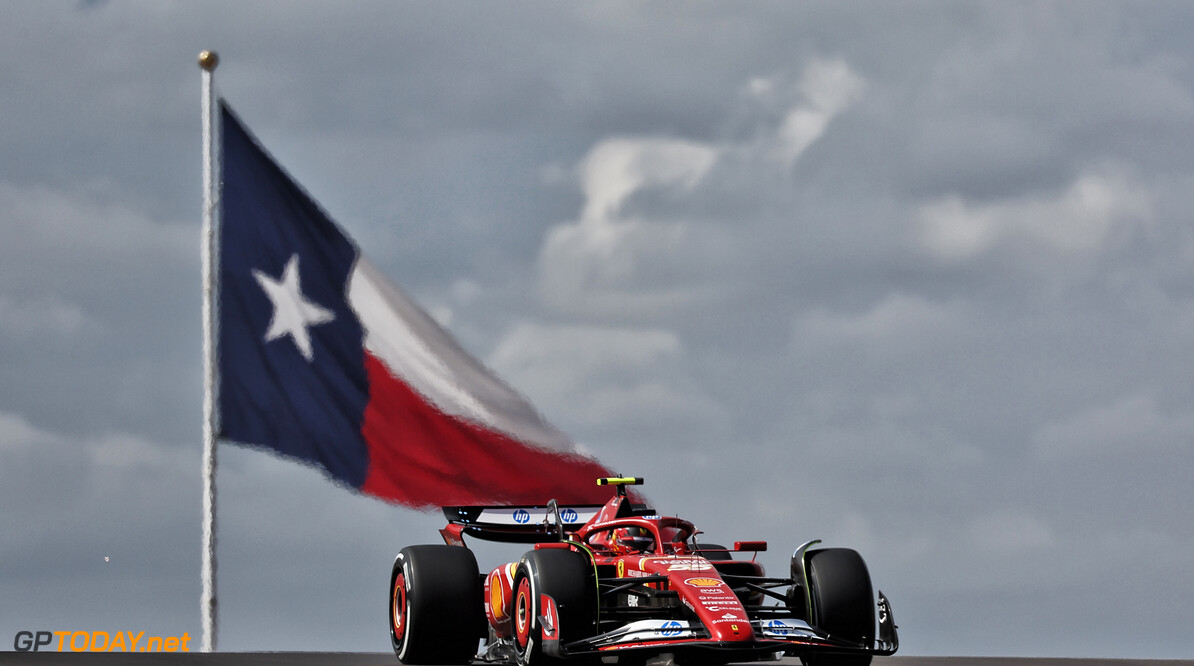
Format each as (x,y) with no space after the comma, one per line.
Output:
(436,605)
(843,603)
(568,578)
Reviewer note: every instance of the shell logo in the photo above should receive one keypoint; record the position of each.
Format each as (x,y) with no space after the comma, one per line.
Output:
(497,604)
(703,582)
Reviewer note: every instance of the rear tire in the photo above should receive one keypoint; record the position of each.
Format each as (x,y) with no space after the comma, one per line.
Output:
(843,603)
(568,578)
(436,605)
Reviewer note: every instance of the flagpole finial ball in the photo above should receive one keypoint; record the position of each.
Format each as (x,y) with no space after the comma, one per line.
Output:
(208,60)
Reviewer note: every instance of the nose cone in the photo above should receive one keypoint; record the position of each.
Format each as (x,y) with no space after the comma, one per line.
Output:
(717,607)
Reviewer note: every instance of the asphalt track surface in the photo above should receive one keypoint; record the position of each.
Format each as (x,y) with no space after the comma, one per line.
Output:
(370,659)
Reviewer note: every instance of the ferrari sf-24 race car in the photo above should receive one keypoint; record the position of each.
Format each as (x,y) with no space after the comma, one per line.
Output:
(621,584)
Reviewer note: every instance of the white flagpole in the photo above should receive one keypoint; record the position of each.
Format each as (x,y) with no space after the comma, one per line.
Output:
(208,60)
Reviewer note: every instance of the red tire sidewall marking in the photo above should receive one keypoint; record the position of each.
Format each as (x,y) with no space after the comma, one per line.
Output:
(399,605)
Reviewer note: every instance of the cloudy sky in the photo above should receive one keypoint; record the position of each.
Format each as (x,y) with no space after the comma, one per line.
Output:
(915,278)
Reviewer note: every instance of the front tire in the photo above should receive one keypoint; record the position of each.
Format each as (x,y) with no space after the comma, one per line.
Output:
(843,603)
(568,579)
(436,605)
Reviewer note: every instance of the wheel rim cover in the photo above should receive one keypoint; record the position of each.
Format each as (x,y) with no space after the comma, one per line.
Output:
(398,611)
(522,613)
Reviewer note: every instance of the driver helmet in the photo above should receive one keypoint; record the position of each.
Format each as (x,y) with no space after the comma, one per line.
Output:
(634,539)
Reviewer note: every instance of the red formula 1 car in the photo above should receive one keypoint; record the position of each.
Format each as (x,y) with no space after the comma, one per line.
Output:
(620,584)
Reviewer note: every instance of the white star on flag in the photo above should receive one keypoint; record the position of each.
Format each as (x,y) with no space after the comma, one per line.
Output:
(292,312)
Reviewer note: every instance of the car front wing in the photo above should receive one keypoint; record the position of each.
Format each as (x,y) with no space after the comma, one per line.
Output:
(773,638)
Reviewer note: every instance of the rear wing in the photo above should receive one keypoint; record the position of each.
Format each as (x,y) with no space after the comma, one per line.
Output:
(515,524)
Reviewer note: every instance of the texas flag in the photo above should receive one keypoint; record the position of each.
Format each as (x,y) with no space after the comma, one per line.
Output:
(323,360)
